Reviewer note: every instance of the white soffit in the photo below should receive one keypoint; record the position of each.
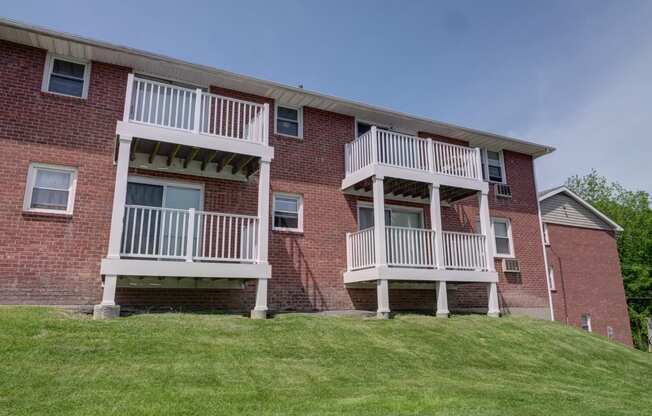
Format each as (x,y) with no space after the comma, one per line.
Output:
(165,67)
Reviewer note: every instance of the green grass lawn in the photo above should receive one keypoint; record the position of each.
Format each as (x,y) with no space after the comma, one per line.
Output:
(59,363)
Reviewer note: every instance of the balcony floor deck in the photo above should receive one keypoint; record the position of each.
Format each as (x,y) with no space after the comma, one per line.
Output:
(419,274)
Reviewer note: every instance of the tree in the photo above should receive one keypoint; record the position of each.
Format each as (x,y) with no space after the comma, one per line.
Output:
(631,210)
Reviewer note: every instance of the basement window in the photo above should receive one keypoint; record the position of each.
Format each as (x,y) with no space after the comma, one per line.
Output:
(66,76)
(50,189)
(289,121)
(288,212)
(551,278)
(585,322)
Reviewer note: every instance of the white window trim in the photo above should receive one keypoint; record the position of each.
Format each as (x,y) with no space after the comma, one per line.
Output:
(47,72)
(167,182)
(299,119)
(299,199)
(390,208)
(510,255)
(485,166)
(551,278)
(31,181)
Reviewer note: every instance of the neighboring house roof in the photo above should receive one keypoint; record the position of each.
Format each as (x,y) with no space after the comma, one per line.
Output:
(166,67)
(562,206)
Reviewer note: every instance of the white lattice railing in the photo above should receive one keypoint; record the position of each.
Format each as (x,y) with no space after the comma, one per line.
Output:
(464,251)
(360,249)
(170,106)
(410,152)
(179,234)
(410,247)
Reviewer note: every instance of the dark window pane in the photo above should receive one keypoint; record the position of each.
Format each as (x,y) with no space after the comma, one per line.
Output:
(287,204)
(144,194)
(68,68)
(286,221)
(493,156)
(49,199)
(502,245)
(495,173)
(66,86)
(288,113)
(363,128)
(290,128)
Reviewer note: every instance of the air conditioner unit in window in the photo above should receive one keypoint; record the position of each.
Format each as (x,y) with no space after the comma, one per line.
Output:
(511,266)
(502,191)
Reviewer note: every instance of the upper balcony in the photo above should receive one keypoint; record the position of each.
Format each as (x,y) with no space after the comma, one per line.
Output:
(387,153)
(158,111)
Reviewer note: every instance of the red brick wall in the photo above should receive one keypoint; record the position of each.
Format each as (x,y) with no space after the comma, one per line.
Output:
(588,280)
(46,259)
(56,260)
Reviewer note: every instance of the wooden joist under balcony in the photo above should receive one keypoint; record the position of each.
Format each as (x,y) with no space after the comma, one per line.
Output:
(412,189)
(178,158)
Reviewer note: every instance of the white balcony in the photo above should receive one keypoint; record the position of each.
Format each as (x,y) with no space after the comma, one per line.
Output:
(186,242)
(390,154)
(158,111)
(411,254)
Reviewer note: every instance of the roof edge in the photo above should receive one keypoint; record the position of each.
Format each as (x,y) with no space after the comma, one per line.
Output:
(564,189)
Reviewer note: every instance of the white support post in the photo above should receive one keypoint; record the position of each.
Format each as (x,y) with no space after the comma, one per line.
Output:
(190,238)
(197,120)
(260,310)
(263,210)
(379,221)
(382,292)
(478,162)
(442,300)
(119,197)
(493,309)
(485,229)
(374,145)
(107,309)
(266,122)
(129,93)
(431,156)
(349,254)
(435,224)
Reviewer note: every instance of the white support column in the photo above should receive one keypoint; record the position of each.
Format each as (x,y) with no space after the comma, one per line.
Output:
(119,198)
(263,210)
(493,310)
(374,145)
(379,222)
(107,309)
(442,300)
(266,122)
(260,310)
(197,115)
(485,228)
(382,291)
(190,236)
(128,94)
(435,224)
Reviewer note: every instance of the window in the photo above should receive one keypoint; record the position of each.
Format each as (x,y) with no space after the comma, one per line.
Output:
(546,237)
(551,277)
(50,189)
(585,322)
(493,166)
(610,332)
(288,212)
(394,216)
(502,232)
(66,76)
(289,121)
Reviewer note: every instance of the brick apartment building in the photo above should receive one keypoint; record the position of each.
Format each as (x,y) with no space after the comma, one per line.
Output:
(139,180)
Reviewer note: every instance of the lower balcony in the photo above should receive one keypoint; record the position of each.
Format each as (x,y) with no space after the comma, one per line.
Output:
(167,242)
(412,254)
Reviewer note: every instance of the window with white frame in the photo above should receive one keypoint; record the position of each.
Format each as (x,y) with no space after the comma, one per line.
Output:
(289,121)
(546,236)
(493,166)
(288,212)
(585,322)
(394,216)
(50,188)
(501,228)
(551,277)
(66,76)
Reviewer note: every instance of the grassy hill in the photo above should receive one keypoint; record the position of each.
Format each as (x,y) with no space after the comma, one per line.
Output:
(55,362)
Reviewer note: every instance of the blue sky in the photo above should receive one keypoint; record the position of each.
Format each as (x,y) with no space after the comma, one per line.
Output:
(576,75)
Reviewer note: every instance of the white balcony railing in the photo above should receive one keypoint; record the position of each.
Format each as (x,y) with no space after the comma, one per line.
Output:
(464,251)
(415,247)
(170,106)
(190,235)
(410,152)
